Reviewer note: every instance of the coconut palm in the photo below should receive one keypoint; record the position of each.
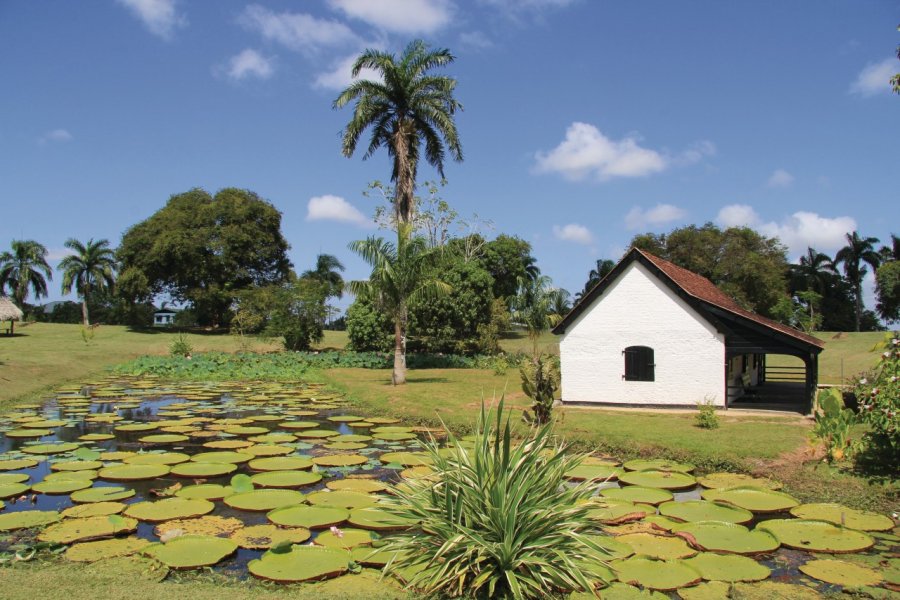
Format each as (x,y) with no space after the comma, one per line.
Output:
(408,107)
(814,271)
(601,270)
(857,251)
(91,268)
(401,273)
(23,268)
(328,273)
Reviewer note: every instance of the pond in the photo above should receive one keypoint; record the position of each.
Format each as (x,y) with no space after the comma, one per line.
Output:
(220,472)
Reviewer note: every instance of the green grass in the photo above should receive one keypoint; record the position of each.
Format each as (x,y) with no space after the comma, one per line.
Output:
(845,355)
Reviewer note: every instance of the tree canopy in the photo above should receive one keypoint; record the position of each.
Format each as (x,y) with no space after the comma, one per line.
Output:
(91,268)
(25,268)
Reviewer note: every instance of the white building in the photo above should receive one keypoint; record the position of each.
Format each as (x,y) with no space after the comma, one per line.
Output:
(654,334)
(164,318)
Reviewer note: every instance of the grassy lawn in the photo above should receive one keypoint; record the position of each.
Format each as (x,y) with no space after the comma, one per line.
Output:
(845,355)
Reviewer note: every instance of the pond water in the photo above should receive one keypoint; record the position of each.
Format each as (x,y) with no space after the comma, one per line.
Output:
(163,441)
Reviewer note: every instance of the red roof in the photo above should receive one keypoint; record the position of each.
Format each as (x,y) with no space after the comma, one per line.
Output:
(705,290)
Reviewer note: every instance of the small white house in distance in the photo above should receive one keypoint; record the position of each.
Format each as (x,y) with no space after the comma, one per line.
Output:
(654,334)
(164,318)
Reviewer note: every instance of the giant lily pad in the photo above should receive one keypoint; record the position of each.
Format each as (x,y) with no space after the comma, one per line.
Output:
(311,517)
(611,511)
(261,537)
(841,573)
(769,590)
(376,519)
(50,448)
(208,525)
(708,590)
(169,508)
(302,563)
(68,475)
(658,465)
(353,484)
(222,456)
(164,438)
(263,450)
(11,490)
(372,557)
(665,480)
(704,510)
(76,465)
(342,499)
(15,464)
(157,458)
(205,491)
(663,576)
(394,437)
(595,472)
(340,460)
(730,480)
(285,479)
(27,433)
(728,567)
(344,538)
(59,486)
(25,519)
(817,536)
(191,551)
(717,536)
(634,493)
(280,463)
(102,549)
(657,546)
(844,516)
(102,494)
(203,470)
(70,531)
(264,500)
(96,509)
(754,499)
(133,472)
(316,434)
(407,459)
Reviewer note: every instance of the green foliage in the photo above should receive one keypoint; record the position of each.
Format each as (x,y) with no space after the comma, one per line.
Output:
(87,335)
(706,415)
(489,333)
(219,366)
(603,268)
(90,268)
(508,259)
(203,249)
(858,252)
(299,313)
(368,328)
(803,311)
(180,346)
(878,396)
(532,308)
(501,522)
(887,288)
(833,423)
(25,268)
(540,381)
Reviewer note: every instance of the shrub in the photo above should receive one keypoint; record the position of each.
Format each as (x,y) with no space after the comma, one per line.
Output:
(540,380)
(706,416)
(833,423)
(497,518)
(180,346)
(367,328)
(878,395)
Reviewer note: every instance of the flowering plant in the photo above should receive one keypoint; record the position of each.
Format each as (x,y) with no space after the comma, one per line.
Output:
(878,395)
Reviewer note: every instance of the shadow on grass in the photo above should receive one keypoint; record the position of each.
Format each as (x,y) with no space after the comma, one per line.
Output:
(191,330)
(876,467)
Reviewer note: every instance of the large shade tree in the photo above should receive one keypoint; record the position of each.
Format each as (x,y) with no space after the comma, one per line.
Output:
(408,107)
(90,268)
(859,252)
(25,268)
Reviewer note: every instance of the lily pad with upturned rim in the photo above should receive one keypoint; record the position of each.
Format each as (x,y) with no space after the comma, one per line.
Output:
(7,478)
(69,531)
(344,499)
(595,472)
(817,536)
(11,490)
(664,480)
(280,463)
(718,536)
(59,487)
(102,494)
(730,480)
(657,546)
(659,575)
(407,459)
(205,491)
(261,537)
(311,517)
(102,549)
(76,465)
(50,448)
(157,458)
(340,460)
(169,508)
(637,494)
(376,519)
(264,499)
(704,510)
(301,563)
(285,479)
(134,472)
(728,567)
(839,572)
(26,519)
(201,470)
(754,499)
(343,538)
(364,486)
(206,525)
(96,509)
(15,464)
(846,517)
(222,456)
(191,552)
(708,590)
(657,464)
(164,438)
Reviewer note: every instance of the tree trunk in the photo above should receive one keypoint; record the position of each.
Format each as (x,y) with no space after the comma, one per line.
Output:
(85,317)
(399,375)
(858,304)
(403,195)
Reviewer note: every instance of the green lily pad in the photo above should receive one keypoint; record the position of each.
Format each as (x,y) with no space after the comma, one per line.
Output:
(407,459)
(364,486)
(611,511)
(244,430)
(394,437)
(392,429)
(207,525)
(280,463)
(264,499)
(817,536)
(222,456)
(50,448)
(261,537)
(164,438)
(372,557)
(228,444)
(634,493)
(26,519)
(96,437)
(757,500)
(7,478)
(169,508)
(708,590)
(657,546)
(658,465)
(340,460)
(728,567)
(302,563)
(663,576)
(345,445)
(191,552)
(203,470)
(730,480)
(133,427)
(769,590)
(102,494)
(664,480)
(315,434)
(205,491)
(344,499)
(17,463)
(351,437)
(294,425)
(376,519)
(343,538)
(844,516)
(27,433)
(102,549)
(59,486)
(157,458)
(263,450)
(621,591)
(134,472)
(86,529)
(841,573)
(11,490)
(345,419)
(704,510)
(77,465)
(717,536)
(612,547)
(285,479)
(311,517)
(97,509)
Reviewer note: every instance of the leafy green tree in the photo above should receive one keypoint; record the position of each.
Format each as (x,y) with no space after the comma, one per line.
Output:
(815,271)
(407,108)
(368,328)
(402,274)
(560,303)
(298,314)
(532,308)
(328,273)
(508,259)
(92,267)
(887,288)
(858,250)
(23,268)
(203,249)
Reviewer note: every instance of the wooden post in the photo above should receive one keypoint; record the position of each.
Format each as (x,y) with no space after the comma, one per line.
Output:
(812,380)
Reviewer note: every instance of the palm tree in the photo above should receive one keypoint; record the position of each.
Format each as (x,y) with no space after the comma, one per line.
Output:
(407,107)
(815,271)
(601,270)
(892,252)
(25,267)
(532,307)
(328,273)
(401,273)
(559,301)
(857,251)
(92,267)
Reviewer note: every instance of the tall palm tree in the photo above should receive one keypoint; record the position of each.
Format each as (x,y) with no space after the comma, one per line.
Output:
(533,308)
(892,252)
(857,251)
(815,271)
(401,273)
(328,273)
(407,107)
(559,301)
(601,270)
(25,267)
(92,267)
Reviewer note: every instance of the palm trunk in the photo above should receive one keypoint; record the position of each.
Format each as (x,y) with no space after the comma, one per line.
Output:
(858,304)
(85,317)
(403,199)
(399,375)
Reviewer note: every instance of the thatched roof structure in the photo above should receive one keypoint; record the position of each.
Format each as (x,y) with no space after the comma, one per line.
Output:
(9,311)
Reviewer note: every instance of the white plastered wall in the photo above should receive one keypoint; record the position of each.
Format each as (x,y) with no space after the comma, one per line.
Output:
(639,310)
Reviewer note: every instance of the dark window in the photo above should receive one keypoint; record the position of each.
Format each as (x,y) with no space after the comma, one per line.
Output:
(639,364)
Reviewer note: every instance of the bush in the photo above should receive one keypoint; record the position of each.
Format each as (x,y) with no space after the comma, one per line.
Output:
(878,395)
(180,346)
(833,423)
(496,519)
(368,329)
(706,417)
(540,380)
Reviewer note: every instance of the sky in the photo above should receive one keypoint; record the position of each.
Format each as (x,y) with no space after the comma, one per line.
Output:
(585,122)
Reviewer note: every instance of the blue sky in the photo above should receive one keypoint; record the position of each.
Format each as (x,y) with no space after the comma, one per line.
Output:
(585,122)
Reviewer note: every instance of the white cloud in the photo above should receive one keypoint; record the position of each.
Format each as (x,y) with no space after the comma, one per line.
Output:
(779,179)
(296,31)
(798,231)
(249,63)
(56,135)
(160,17)
(586,151)
(875,78)
(334,208)
(696,152)
(475,40)
(573,232)
(338,77)
(638,218)
(737,215)
(408,16)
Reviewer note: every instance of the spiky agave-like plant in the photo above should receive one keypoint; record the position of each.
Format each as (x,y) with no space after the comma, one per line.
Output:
(497,519)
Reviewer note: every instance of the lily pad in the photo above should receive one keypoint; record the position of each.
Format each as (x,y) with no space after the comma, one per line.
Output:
(157,458)
(769,590)
(202,470)
(658,465)
(134,472)
(261,537)
(285,479)
(191,552)
(394,437)
(372,557)
(316,434)
(97,509)
(376,519)
(657,546)
(280,463)
(208,525)
(7,478)
(222,456)
(407,459)
(59,486)
(295,425)
(102,494)
(841,573)
(344,499)
(264,500)
(708,590)
(77,465)
(663,576)
(664,480)
(205,491)
(599,472)
(11,490)
(356,485)
(50,448)
(634,493)
(302,563)
(728,567)
(169,508)
(263,450)
(340,460)
(27,433)
(311,517)
(26,519)
(70,531)
(730,480)
(343,538)
(228,444)
(611,511)
(754,499)
(717,536)
(817,536)
(102,549)
(164,438)
(704,510)
(844,516)
(17,463)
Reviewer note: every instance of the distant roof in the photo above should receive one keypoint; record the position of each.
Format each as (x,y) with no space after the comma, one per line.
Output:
(9,311)
(165,311)
(696,286)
